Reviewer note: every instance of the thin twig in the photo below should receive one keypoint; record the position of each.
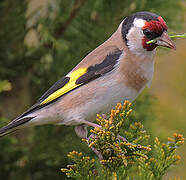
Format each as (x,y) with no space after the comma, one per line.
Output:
(77,6)
(171,36)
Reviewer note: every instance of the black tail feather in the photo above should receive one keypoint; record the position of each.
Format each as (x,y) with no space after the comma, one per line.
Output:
(6,133)
(6,129)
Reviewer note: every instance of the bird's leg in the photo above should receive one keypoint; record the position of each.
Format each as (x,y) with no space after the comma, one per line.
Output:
(122,138)
(91,124)
(81,131)
(93,136)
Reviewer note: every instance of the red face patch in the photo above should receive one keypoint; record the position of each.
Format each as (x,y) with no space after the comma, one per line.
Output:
(148,47)
(157,26)
(162,22)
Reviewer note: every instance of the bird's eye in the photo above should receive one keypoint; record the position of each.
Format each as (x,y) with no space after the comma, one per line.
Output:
(149,34)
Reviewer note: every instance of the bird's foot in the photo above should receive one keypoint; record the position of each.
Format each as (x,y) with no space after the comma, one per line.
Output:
(81,131)
(93,136)
(122,138)
(97,152)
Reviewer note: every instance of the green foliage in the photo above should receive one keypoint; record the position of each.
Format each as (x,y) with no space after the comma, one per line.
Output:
(83,169)
(10,153)
(133,158)
(163,156)
(5,86)
(12,35)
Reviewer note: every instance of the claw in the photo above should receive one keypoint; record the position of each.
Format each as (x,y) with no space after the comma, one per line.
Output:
(122,138)
(93,136)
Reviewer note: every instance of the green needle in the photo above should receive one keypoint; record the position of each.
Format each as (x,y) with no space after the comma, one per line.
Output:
(171,36)
(178,36)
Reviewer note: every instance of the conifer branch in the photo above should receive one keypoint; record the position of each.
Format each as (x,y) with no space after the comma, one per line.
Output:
(135,158)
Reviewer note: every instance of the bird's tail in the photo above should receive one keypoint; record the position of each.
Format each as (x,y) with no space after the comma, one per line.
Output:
(14,125)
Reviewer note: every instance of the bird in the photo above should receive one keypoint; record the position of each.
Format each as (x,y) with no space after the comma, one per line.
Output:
(117,70)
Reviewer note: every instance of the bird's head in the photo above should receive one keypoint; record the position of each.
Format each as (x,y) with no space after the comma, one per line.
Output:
(141,27)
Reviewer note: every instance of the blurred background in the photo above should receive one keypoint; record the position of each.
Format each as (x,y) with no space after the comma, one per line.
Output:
(41,40)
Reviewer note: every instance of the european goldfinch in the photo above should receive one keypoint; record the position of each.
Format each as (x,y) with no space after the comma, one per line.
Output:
(117,70)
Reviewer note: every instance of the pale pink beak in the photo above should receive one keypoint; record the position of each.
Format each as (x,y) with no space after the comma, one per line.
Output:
(166,41)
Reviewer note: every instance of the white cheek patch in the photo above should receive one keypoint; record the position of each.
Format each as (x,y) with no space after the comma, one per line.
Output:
(139,23)
(134,37)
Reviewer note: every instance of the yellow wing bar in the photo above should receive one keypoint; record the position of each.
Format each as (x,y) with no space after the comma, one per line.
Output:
(67,87)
